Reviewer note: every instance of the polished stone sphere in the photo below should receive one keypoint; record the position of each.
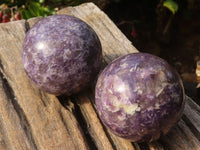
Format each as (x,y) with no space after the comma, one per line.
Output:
(61,54)
(139,97)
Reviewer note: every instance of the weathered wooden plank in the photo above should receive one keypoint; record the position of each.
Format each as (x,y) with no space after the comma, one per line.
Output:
(180,138)
(36,120)
(9,121)
(31,119)
(192,117)
(94,126)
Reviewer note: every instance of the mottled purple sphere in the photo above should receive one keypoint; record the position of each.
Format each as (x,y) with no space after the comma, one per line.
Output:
(61,54)
(139,97)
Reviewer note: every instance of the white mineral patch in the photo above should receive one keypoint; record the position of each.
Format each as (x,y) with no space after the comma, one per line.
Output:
(140,91)
(161,84)
(150,108)
(157,106)
(66,54)
(28,50)
(160,91)
(162,76)
(131,109)
(25,64)
(142,74)
(124,65)
(149,116)
(136,88)
(134,68)
(117,105)
(45,79)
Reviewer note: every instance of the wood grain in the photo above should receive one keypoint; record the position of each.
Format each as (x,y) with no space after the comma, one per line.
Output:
(39,121)
(32,119)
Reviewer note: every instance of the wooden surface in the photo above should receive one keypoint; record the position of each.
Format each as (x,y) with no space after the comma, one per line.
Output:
(33,120)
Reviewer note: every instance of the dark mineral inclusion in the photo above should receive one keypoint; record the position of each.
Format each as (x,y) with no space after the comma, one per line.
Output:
(139,97)
(61,54)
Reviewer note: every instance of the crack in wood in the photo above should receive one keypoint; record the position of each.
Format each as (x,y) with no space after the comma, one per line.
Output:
(22,116)
(74,108)
(67,129)
(163,144)
(27,26)
(143,146)
(3,74)
(63,121)
(43,98)
(92,97)
(136,146)
(1,66)
(191,126)
(64,101)
(84,126)
(109,138)
(78,102)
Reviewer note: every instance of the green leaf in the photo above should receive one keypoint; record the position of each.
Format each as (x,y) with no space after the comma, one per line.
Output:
(34,8)
(53,12)
(26,14)
(46,9)
(23,14)
(171,5)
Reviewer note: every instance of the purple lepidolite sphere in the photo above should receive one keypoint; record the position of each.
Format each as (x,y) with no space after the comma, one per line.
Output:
(139,97)
(61,54)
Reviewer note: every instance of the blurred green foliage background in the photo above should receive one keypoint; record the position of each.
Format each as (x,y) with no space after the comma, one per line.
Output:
(34,8)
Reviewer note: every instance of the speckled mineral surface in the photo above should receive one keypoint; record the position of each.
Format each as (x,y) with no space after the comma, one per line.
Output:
(61,54)
(139,97)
